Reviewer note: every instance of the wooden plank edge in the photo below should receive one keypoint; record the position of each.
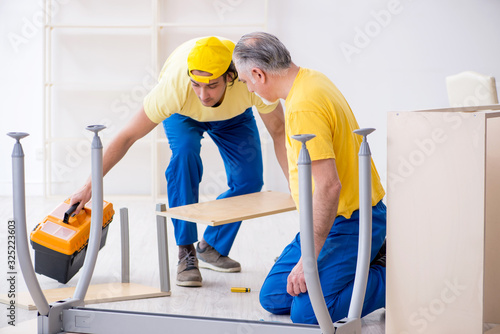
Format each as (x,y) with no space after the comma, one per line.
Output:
(459,109)
(30,305)
(225,221)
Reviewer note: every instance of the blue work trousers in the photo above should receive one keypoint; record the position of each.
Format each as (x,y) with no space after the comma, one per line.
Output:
(239,145)
(336,266)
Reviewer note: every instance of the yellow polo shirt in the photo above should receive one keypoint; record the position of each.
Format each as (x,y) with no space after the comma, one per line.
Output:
(174,95)
(314,105)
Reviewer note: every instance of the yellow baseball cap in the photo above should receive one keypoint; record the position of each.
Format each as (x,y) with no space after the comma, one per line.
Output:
(211,55)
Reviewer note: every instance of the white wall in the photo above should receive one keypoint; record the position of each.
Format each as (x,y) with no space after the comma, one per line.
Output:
(384,55)
(20,87)
(403,64)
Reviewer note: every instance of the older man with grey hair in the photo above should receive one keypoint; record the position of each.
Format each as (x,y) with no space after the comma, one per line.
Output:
(313,104)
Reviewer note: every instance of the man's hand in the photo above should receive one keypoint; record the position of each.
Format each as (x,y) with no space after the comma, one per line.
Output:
(296,280)
(83,195)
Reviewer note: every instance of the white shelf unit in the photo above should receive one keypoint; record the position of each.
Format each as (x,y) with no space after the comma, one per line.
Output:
(97,69)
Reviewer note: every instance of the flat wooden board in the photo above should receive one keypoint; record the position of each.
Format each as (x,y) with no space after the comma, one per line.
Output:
(99,293)
(463,109)
(233,209)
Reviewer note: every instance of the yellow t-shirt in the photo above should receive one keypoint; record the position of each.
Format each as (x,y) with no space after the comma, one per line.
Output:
(174,95)
(314,105)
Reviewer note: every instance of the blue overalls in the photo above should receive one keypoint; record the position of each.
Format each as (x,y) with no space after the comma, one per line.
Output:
(239,145)
(336,265)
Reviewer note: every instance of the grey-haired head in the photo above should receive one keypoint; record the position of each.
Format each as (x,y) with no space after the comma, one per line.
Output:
(264,51)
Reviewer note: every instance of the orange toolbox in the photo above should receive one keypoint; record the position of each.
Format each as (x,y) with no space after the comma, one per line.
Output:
(60,241)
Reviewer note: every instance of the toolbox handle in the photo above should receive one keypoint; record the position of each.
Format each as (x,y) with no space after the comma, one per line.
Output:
(70,211)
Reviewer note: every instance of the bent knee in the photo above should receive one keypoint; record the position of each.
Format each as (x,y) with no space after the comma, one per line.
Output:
(186,148)
(302,311)
(274,303)
(303,315)
(254,186)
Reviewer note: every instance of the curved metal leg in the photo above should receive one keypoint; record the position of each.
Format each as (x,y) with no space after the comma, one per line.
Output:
(24,257)
(365,226)
(96,219)
(307,239)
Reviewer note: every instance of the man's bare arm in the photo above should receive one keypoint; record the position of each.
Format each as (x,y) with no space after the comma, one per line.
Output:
(275,124)
(325,205)
(138,126)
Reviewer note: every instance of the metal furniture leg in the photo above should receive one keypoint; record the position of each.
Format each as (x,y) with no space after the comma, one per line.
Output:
(161,225)
(125,245)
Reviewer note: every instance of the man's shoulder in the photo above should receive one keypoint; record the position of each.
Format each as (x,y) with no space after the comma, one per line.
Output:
(310,78)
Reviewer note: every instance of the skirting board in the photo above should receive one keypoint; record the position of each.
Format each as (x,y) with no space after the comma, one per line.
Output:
(233,209)
(96,294)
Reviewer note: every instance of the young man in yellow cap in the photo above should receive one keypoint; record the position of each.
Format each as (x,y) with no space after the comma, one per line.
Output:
(198,92)
(313,105)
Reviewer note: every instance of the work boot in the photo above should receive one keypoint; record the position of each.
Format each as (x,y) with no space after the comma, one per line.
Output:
(380,257)
(212,259)
(188,273)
